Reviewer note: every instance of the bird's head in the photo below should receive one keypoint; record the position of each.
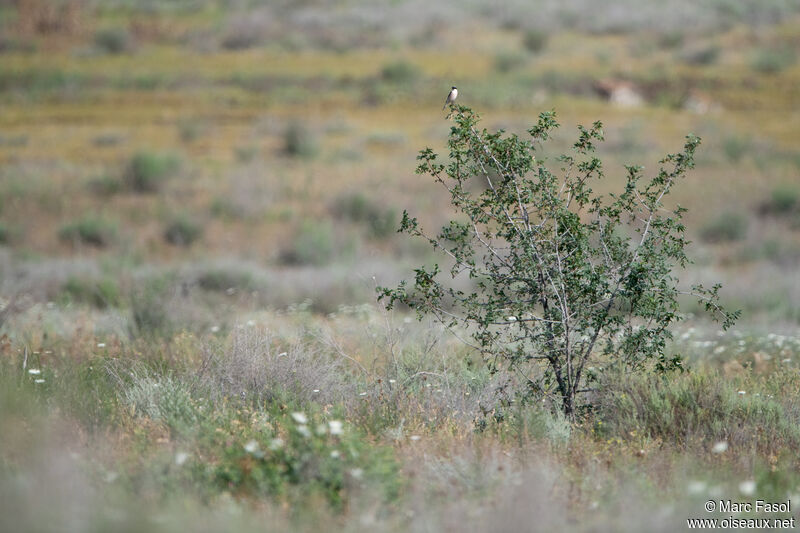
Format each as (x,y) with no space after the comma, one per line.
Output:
(453,87)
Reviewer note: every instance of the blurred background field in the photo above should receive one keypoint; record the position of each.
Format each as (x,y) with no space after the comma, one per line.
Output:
(181,178)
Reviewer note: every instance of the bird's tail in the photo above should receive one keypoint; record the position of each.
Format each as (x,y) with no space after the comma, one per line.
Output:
(444,106)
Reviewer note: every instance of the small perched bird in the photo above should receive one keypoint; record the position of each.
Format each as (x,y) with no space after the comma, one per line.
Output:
(450,97)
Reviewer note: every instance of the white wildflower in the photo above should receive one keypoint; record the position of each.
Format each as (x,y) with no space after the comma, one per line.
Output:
(101,345)
(300,418)
(357,473)
(748,488)
(34,371)
(275,444)
(720,447)
(336,427)
(414,437)
(180,458)
(696,487)
(742,393)
(251,446)
(38,381)
(304,431)
(335,454)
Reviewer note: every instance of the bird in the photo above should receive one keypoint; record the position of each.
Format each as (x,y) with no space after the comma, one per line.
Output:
(451,97)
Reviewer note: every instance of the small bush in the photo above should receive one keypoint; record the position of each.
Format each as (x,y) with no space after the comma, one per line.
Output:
(223,280)
(726,227)
(191,129)
(508,61)
(106,185)
(735,147)
(358,208)
(105,140)
(400,72)
(313,245)
(783,200)
(162,399)
(149,314)
(701,55)
(113,40)
(299,141)
(91,229)
(769,61)
(147,171)
(245,31)
(535,40)
(101,293)
(5,234)
(183,231)
(670,39)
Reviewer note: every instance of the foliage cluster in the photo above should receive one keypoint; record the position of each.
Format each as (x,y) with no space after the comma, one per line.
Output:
(560,277)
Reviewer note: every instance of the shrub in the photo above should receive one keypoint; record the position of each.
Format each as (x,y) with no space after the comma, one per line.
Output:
(670,39)
(183,231)
(299,141)
(91,229)
(149,315)
(725,227)
(257,368)
(508,61)
(769,61)
(222,280)
(358,208)
(147,171)
(241,41)
(312,245)
(784,199)
(162,399)
(701,55)
(735,147)
(113,40)
(535,40)
(400,72)
(557,283)
(101,293)
(105,185)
